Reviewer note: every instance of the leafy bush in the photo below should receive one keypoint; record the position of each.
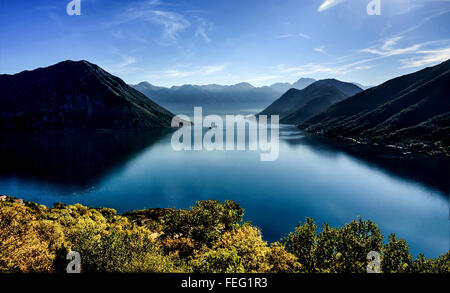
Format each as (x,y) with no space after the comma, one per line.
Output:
(208,238)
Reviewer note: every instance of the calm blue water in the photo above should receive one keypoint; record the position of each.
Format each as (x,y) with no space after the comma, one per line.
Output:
(330,183)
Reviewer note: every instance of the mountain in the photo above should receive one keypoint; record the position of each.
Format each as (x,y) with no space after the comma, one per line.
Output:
(217,97)
(212,97)
(281,87)
(364,87)
(298,105)
(303,83)
(412,110)
(299,84)
(75,95)
(326,96)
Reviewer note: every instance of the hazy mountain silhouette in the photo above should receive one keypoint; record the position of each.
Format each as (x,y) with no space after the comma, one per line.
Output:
(303,83)
(217,97)
(229,97)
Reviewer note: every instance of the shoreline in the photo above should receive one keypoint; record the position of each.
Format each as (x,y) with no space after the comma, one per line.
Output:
(399,148)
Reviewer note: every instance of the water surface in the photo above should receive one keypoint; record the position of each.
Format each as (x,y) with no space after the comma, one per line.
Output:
(312,178)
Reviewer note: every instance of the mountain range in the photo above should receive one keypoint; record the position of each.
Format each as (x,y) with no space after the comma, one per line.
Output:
(298,105)
(407,112)
(75,95)
(218,97)
(300,84)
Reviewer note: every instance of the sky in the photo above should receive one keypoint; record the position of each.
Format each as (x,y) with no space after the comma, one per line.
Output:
(175,42)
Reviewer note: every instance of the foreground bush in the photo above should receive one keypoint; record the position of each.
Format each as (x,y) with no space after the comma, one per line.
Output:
(208,238)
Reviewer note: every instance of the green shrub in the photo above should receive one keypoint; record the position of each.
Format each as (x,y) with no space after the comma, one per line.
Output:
(208,238)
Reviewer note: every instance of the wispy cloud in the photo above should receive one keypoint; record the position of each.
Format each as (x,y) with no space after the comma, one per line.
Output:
(426,58)
(387,52)
(126,65)
(203,28)
(320,49)
(305,36)
(301,35)
(314,68)
(328,4)
(128,60)
(200,71)
(172,23)
(389,43)
(421,54)
(262,78)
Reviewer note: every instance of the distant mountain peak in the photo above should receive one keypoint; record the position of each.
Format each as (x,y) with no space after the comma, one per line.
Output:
(297,105)
(244,85)
(306,79)
(303,82)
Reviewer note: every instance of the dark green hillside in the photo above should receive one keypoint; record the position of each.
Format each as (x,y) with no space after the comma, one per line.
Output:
(297,105)
(75,95)
(396,112)
(329,96)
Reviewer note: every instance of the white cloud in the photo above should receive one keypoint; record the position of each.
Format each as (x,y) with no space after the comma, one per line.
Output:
(391,42)
(365,67)
(389,48)
(263,78)
(126,66)
(301,35)
(396,7)
(305,36)
(201,71)
(313,68)
(172,23)
(392,52)
(320,49)
(422,54)
(128,60)
(328,4)
(330,69)
(203,28)
(428,58)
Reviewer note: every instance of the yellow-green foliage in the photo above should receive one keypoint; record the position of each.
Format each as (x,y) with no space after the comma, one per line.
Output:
(24,238)
(243,250)
(210,237)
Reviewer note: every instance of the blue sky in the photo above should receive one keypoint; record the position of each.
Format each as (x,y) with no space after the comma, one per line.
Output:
(173,42)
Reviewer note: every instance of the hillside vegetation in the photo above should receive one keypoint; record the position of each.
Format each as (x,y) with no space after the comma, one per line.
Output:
(411,112)
(74,95)
(208,238)
(296,106)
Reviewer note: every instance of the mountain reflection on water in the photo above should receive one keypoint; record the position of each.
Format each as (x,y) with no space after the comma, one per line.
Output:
(329,182)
